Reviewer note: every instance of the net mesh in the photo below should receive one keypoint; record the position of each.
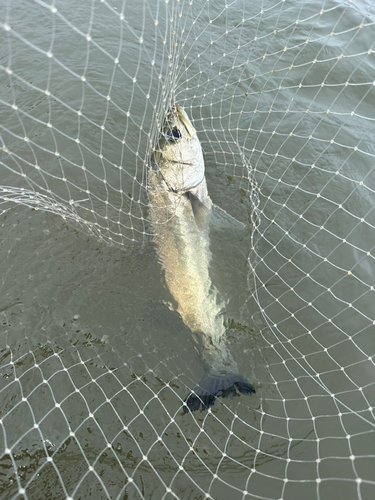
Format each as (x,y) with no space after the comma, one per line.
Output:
(281,94)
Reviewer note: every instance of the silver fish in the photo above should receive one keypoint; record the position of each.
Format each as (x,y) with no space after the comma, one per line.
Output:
(181,212)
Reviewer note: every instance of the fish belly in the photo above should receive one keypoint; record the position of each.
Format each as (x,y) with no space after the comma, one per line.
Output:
(184,254)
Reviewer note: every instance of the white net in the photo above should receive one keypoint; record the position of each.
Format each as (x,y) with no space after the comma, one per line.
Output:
(94,366)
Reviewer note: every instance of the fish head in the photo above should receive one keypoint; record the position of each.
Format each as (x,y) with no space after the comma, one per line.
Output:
(178,156)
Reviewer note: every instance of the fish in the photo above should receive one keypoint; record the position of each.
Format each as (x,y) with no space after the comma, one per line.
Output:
(181,215)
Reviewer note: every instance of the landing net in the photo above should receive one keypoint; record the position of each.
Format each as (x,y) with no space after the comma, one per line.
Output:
(282,95)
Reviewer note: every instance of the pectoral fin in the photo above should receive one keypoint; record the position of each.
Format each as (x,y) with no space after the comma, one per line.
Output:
(212,214)
(200,210)
(220,219)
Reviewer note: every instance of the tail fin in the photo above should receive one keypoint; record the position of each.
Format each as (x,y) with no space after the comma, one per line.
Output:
(212,386)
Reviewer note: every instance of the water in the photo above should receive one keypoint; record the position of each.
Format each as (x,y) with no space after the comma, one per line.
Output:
(95,362)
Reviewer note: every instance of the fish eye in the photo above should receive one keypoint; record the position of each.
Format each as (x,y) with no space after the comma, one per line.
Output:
(173,135)
(176,133)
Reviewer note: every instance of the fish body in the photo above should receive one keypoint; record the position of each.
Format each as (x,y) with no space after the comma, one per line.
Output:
(181,211)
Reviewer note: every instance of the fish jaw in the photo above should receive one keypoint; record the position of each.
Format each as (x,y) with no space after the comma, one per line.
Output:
(184,119)
(178,155)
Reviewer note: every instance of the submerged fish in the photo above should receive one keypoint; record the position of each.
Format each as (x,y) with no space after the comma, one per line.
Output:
(181,212)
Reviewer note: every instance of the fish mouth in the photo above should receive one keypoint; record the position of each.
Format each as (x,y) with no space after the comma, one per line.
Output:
(177,113)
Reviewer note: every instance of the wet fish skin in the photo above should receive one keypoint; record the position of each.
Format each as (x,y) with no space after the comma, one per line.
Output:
(181,212)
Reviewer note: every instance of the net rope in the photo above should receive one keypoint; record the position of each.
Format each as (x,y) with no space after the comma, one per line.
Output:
(281,94)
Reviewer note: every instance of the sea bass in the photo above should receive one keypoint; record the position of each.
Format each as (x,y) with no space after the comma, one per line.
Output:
(181,212)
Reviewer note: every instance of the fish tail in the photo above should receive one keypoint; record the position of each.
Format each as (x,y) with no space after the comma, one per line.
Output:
(212,386)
